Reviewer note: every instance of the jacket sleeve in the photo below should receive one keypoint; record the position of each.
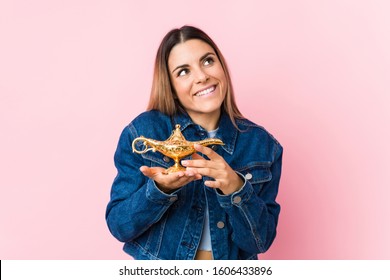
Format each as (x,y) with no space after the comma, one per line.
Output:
(253,213)
(135,202)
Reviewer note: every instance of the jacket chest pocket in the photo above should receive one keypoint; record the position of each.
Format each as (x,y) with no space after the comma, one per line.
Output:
(257,174)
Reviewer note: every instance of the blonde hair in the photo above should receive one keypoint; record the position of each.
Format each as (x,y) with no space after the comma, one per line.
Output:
(163,97)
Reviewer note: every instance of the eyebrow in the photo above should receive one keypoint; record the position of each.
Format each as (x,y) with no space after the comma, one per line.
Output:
(200,59)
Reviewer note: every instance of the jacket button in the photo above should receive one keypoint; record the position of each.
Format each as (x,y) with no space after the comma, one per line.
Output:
(248,176)
(166,159)
(237,199)
(220,224)
(214,147)
(173,199)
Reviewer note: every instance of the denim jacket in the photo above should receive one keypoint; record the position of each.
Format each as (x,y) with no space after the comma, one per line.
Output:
(155,225)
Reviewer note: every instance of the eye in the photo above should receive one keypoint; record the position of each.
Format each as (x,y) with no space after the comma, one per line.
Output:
(182,72)
(208,61)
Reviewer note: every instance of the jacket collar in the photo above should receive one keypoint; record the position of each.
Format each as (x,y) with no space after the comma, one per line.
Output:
(226,131)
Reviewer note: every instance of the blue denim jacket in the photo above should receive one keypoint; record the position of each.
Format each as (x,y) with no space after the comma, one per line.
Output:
(156,225)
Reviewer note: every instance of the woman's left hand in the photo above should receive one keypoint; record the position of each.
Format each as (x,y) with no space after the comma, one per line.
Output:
(226,179)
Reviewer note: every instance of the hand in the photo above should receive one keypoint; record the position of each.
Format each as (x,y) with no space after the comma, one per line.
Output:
(226,179)
(169,182)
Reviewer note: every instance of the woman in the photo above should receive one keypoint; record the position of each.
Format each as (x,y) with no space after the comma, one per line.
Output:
(223,205)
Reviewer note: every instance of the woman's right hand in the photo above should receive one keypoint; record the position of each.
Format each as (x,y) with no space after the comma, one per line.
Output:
(169,182)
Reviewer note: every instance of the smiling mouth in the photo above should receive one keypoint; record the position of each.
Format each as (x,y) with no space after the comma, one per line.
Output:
(205,91)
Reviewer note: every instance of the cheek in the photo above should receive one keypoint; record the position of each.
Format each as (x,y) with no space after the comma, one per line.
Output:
(181,87)
(223,80)
(219,74)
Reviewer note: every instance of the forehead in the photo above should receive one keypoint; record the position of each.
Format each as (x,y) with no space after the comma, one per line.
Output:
(188,51)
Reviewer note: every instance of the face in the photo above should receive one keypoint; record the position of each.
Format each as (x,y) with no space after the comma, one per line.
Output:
(198,79)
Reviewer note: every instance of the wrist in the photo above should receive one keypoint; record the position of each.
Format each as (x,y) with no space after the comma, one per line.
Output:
(234,186)
(164,189)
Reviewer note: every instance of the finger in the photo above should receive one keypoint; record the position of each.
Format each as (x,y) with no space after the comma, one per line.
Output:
(197,156)
(172,180)
(155,172)
(212,184)
(193,165)
(203,171)
(193,172)
(197,163)
(189,173)
(206,151)
(150,172)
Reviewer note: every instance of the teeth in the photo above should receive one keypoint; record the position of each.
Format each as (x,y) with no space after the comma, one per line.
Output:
(206,91)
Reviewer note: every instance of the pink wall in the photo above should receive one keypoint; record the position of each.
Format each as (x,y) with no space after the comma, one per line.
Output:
(314,73)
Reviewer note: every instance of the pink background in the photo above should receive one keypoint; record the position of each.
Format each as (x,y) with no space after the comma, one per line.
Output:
(74,73)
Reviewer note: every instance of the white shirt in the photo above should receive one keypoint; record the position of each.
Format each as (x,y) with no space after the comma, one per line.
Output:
(205,241)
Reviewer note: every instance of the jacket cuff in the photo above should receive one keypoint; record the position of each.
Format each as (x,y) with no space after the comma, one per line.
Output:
(237,198)
(154,194)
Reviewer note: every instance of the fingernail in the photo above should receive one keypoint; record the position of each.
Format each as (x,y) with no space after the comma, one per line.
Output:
(184,162)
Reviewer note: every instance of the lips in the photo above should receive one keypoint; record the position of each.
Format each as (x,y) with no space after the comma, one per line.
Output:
(205,91)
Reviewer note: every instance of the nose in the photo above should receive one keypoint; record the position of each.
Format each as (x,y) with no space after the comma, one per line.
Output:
(201,77)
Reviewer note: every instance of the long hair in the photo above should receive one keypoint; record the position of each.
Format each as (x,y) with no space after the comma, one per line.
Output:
(162,97)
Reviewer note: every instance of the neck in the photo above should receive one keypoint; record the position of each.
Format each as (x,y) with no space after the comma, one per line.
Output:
(207,121)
